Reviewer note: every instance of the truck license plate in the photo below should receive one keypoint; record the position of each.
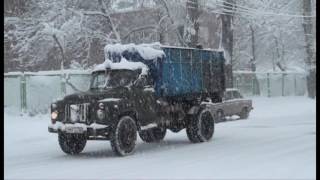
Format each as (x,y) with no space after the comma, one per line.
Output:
(74,130)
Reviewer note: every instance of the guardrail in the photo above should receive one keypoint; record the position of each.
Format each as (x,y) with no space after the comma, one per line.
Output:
(270,84)
(33,92)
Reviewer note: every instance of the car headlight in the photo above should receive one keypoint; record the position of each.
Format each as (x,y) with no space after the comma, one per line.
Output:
(101,114)
(54,116)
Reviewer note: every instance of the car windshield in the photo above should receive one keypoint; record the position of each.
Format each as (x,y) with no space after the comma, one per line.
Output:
(112,79)
(237,95)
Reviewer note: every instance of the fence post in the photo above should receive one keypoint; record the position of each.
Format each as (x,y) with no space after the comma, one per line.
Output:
(63,84)
(268,83)
(23,93)
(282,87)
(235,82)
(295,85)
(252,85)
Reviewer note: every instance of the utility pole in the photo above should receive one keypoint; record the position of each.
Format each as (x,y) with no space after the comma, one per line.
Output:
(310,49)
(227,38)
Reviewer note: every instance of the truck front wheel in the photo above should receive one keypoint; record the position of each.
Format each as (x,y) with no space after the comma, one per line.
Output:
(153,135)
(72,143)
(124,137)
(200,127)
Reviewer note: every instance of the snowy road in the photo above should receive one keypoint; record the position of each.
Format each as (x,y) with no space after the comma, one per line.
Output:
(277,141)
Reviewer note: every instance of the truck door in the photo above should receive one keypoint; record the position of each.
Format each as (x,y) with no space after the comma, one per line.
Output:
(145,103)
(149,109)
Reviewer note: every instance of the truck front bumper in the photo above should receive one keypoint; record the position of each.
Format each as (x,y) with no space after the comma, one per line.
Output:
(93,129)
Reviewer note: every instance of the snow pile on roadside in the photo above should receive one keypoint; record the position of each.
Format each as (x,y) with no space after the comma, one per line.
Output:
(147,51)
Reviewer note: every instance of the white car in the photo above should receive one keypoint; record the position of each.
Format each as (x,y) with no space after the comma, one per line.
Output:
(233,103)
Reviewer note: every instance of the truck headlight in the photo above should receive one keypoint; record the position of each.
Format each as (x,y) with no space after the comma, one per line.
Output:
(54,116)
(101,114)
(101,106)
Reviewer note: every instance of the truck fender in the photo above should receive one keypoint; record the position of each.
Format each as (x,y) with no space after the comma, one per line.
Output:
(132,113)
(193,110)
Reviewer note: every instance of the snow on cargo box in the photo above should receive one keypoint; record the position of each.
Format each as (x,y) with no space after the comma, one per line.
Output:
(176,71)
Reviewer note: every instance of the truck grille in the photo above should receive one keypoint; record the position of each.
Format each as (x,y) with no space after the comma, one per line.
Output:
(77,112)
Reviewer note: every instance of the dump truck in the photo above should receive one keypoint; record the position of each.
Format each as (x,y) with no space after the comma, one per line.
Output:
(143,89)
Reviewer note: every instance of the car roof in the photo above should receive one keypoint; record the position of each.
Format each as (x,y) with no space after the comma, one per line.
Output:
(231,89)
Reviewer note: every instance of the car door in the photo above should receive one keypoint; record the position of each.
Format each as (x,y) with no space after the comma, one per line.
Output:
(235,104)
(227,103)
(241,102)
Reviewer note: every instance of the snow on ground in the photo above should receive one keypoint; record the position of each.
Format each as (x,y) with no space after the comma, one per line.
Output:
(278,141)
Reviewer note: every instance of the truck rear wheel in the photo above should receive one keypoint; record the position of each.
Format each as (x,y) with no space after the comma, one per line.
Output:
(124,137)
(72,143)
(200,127)
(153,135)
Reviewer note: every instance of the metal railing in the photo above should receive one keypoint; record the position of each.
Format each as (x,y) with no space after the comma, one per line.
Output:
(270,84)
(33,92)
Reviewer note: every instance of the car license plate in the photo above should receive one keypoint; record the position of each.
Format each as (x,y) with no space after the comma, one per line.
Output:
(74,130)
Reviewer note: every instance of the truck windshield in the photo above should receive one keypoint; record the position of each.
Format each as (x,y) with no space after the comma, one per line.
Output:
(112,79)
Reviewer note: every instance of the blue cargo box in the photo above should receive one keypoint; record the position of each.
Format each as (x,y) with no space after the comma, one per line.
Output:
(182,71)
(190,71)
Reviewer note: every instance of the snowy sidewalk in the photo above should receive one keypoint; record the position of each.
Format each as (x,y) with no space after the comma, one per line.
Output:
(278,141)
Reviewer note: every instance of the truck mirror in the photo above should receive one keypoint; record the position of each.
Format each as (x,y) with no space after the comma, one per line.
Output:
(140,82)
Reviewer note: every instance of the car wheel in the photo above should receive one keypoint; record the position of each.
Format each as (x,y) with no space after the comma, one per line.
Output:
(244,113)
(201,127)
(72,143)
(153,135)
(124,136)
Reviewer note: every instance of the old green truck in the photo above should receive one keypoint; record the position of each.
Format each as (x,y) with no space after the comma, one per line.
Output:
(143,89)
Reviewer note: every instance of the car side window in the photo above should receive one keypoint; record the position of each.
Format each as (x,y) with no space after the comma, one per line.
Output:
(236,95)
(228,95)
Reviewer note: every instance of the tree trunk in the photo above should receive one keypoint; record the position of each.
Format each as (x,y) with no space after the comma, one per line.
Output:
(105,6)
(194,13)
(227,38)
(253,44)
(256,85)
(61,50)
(310,50)
(163,4)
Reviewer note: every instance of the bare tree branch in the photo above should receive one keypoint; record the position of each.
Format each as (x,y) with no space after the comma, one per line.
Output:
(138,29)
(165,5)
